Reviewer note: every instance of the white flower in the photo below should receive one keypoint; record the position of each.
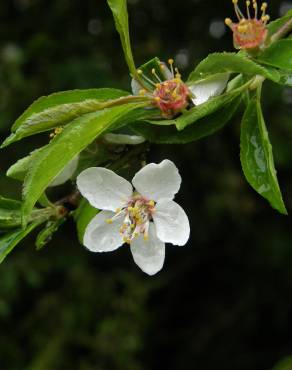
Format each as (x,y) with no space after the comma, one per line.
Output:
(146,218)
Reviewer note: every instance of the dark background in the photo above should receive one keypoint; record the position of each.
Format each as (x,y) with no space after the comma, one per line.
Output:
(224,301)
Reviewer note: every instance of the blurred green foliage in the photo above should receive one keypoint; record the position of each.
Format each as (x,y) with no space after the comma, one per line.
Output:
(222,302)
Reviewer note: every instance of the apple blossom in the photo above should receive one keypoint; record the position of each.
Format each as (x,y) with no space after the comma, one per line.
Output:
(249,33)
(172,95)
(145,218)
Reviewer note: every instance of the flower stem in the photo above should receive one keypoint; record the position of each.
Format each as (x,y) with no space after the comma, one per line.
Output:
(282,32)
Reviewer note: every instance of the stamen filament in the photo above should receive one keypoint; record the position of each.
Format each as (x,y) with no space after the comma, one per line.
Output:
(155,75)
(140,73)
(170,62)
(247,9)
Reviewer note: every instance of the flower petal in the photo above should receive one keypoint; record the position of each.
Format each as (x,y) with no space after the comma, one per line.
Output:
(171,222)
(123,139)
(66,173)
(209,88)
(158,181)
(165,71)
(101,236)
(103,188)
(148,254)
(136,87)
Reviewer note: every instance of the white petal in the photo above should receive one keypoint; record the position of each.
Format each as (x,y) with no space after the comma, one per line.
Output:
(166,72)
(101,236)
(158,181)
(66,173)
(207,89)
(123,139)
(136,87)
(103,188)
(171,222)
(148,254)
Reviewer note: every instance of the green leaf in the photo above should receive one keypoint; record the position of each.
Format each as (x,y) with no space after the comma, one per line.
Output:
(278,23)
(10,213)
(10,240)
(65,146)
(278,55)
(285,364)
(59,109)
(209,107)
(257,157)
(9,204)
(204,127)
(46,234)
(82,216)
(120,13)
(19,169)
(231,63)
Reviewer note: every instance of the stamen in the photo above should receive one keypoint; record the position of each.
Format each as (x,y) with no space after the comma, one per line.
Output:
(177,74)
(228,22)
(170,62)
(109,221)
(255,6)
(140,72)
(238,12)
(247,8)
(263,8)
(155,75)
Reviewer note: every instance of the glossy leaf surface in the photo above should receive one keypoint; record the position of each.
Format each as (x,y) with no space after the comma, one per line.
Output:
(257,157)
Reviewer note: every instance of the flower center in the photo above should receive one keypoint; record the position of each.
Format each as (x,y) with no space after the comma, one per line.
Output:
(171,96)
(137,215)
(249,33)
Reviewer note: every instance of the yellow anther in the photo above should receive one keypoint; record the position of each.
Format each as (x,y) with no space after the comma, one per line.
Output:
(264,6)
(142,92)
(157,86)
(146,237)
(126,240)
(153,71)
(132,226)
(136,234)
(228,22)
(58,130)
(255,5)
(178,75)
(167,91)
(52,135)
(170,61)
(174,94)
(130,209)
(235,1)
(118,210)
(140,72)
(162,66)
(151,203)
(109,221)
(248,3)
(265,18)
(243,28)
(157,98)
